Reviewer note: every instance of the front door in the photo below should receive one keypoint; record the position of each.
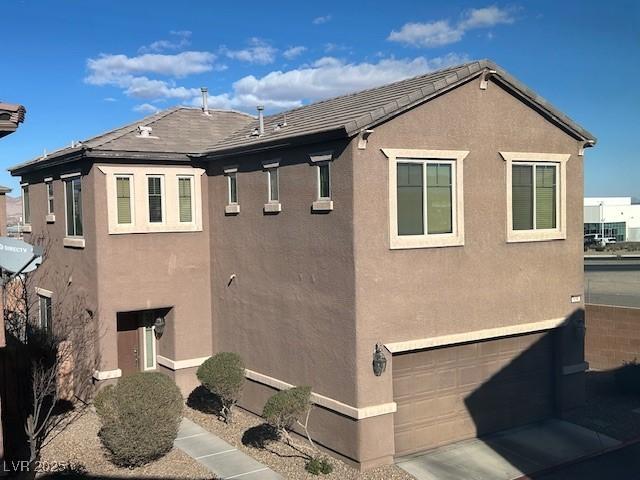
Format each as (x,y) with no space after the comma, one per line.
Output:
(128,343)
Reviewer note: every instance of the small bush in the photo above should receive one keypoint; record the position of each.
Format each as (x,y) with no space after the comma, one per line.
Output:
(140,417)
(316,466)
(284,408)
(223,375)
(627,377)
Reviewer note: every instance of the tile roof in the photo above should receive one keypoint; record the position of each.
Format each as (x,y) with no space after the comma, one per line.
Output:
(355,112)
(16,112)
(178,130)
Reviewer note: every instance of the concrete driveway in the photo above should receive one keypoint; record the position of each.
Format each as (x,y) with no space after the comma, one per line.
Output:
(507,455)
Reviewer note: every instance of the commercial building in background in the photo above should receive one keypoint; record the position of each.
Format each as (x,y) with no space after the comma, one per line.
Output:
(614,217)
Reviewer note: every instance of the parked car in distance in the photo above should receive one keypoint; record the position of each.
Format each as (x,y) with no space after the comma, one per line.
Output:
(610,240)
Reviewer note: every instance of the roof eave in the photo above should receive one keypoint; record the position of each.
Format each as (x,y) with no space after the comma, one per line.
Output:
(69,155)
(304,139)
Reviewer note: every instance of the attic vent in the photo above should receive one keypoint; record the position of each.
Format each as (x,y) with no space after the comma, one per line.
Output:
(144,132)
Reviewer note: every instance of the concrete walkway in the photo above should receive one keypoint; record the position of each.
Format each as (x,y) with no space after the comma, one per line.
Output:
(225,461)
(508,455)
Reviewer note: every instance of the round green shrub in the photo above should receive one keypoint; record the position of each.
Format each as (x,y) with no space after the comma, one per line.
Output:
(316,466)
(140,416)
(285,407)
(224,376)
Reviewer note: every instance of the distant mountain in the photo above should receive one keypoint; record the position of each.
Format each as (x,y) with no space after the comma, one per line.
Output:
(14,209)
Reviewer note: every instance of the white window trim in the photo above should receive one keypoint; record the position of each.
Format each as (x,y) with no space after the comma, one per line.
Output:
(132,201)
(140,203)
(42,293)
(163,197)
(234,175)
(192,187)
(144,348)
(530,158)
(426,240)
(48,182)
(24,216)
(72,240)
(319,197)
(270,171)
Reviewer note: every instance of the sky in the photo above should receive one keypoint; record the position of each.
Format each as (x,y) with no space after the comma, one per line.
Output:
(85,67)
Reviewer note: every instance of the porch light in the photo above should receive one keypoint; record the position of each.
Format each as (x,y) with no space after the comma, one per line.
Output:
(159,324)
(379,361)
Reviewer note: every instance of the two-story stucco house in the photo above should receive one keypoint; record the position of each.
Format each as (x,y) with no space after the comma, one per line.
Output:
(438,217)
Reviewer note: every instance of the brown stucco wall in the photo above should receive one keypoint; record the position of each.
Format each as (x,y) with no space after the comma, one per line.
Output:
(419,293)
(290,309)
(612,336)
(3,214)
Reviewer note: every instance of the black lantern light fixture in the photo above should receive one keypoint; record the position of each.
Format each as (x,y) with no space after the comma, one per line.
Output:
(379,360)
(159,325)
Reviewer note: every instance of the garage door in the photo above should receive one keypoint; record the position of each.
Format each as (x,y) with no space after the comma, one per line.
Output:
(452,393)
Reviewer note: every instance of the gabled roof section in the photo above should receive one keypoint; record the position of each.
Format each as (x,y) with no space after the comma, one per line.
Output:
(11,116)
(175,133)
(348,115)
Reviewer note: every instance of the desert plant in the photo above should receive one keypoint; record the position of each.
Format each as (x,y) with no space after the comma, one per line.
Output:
(140,417)
(286,409)
(627,377)
(223,375)
(317,465)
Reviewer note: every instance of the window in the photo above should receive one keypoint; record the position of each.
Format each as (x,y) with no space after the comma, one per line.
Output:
(148,341)
(123,199)
(425,198)
(273,186)
(535,196)
(73,200)
(154,193)
(49,185)
(324,182)
(26,208)
(185,206)
(232,181)
(45,313)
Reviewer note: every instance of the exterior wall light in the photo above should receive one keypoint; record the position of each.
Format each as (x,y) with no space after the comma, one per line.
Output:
(379,361)
(159,325)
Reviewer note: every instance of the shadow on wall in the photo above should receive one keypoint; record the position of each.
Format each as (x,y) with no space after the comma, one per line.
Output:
(532,386)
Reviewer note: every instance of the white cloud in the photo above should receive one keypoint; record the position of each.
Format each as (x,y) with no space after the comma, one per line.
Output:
(143,87)
(110,99)
(442,32)
(293,52)
(322,19)
(325,78)
(258,51)
(146,108)
(181,41)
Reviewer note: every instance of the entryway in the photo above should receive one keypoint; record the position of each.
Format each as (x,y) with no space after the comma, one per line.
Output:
(508,455)
(137,340)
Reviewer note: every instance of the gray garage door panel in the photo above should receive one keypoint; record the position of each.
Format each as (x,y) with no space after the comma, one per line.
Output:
(449,394)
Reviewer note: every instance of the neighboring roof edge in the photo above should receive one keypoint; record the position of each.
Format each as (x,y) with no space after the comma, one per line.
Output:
(4,189)
(463,74)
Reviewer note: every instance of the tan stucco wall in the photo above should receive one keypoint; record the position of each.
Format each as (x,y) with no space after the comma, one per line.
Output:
(290,309)
(404,295)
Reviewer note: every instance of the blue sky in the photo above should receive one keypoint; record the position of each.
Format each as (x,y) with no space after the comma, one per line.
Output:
(83,67)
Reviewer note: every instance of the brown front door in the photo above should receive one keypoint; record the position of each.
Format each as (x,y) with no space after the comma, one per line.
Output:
(128,343)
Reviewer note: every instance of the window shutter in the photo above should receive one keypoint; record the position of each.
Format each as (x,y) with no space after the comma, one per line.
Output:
(545,196)
(123,188)
(410,204)
(184,194)
(439,206)
(522,197)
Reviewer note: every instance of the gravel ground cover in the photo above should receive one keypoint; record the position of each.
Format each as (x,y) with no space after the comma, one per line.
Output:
(607,411)
(79,444)
(279,457)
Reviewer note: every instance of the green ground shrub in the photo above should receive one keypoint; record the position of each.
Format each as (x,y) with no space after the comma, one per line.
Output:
(140,416)
(627,377)
(224,376)
(317,465)
(284,408)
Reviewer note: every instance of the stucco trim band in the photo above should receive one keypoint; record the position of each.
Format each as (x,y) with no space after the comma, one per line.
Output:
(329,403)
(107,374)
(180,364)
(474,336)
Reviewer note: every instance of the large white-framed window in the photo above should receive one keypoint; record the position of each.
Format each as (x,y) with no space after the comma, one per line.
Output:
(185,198)
(536,196)
(45,314)
(155,198)
(426,198)
(73,205)
(26,205)
(124,199)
